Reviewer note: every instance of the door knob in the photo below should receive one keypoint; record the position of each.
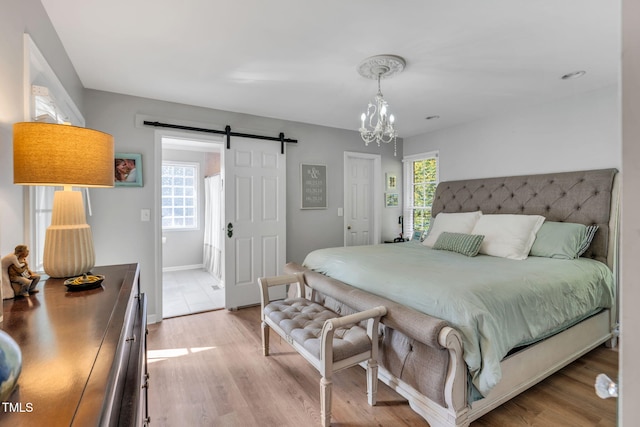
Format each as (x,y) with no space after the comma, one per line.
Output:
(348,227)
(229,229)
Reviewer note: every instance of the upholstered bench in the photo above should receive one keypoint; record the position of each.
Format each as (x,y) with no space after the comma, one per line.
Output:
(329,342)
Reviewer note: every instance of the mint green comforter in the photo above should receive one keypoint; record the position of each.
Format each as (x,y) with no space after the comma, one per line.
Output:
(496,304)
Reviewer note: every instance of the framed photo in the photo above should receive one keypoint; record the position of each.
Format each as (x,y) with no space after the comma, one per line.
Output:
(313,184)
(128,170)
(392,182)
(390,200)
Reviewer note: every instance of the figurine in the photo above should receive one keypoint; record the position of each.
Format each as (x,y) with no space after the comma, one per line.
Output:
(23,281)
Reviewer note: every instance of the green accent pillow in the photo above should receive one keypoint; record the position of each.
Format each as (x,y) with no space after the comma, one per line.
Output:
(561,240)
(591,232)
(465,244)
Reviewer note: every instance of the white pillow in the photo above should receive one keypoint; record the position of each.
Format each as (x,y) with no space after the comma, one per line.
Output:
(462,222)
(508,236)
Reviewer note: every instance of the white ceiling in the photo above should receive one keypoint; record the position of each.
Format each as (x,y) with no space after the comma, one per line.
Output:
(297,59)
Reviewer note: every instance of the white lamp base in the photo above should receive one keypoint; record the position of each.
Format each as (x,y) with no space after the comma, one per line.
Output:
(68,244)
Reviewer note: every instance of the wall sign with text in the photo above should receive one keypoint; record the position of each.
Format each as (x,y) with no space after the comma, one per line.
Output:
(313,182)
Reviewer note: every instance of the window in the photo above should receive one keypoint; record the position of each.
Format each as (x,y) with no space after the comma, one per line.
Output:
(41,197)
(48,102)
(420,181)
(179,196)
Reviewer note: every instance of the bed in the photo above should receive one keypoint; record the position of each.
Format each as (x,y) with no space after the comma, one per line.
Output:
(448,346)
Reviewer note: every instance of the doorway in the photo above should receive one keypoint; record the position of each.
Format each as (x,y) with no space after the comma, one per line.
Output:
(191,215)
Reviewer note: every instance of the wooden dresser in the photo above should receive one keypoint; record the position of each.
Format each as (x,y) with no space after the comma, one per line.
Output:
(84,354)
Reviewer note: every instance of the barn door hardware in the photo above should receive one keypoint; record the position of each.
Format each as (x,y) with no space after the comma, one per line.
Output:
(227,132)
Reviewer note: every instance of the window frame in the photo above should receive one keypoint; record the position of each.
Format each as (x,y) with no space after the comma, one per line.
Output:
(196,196)
(408,184)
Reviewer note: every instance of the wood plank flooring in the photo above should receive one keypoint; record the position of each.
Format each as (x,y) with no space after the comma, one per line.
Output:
(208,370)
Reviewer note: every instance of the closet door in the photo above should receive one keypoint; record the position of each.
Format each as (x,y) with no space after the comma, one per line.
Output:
(362,199)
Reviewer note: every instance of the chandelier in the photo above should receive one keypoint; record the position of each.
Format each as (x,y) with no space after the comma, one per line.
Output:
(377,122)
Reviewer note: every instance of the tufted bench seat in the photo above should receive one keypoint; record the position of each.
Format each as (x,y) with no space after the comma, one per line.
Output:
(329,342)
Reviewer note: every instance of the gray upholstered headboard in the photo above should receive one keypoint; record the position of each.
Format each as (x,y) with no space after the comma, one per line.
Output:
(585,197)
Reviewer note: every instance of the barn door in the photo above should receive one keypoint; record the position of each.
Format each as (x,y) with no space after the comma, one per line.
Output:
(255,221)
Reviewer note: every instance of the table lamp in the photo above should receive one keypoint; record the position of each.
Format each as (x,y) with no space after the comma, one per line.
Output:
(67,156)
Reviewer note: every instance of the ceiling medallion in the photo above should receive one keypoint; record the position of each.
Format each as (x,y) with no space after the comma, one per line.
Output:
(382,66)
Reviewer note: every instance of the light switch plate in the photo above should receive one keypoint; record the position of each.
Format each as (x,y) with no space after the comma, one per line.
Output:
(145,215)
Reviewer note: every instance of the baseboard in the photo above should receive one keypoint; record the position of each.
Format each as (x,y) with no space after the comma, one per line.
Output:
(151,319)
(182,267)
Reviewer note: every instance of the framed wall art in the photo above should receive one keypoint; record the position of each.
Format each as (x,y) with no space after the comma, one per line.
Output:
(313,183)
(391,200)
(392,182)
(128,170)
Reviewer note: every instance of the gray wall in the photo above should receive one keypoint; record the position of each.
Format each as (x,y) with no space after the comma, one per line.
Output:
(581,132)
(577,133)
(121,237)
(16,18)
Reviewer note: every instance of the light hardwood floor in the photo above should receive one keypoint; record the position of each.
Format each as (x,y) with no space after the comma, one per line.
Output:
(208,370)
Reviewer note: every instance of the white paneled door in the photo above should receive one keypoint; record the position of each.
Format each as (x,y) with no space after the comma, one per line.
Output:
(255,221)
(361,213)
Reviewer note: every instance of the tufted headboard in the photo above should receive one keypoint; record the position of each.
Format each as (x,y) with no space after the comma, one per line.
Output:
(585,197)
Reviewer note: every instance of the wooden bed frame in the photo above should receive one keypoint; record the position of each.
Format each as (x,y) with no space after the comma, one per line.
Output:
(587,197)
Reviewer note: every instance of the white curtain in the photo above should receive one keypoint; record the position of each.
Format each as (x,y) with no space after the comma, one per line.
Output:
(212,225)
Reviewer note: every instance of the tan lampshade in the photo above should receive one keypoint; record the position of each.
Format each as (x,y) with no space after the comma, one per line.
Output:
(52,154)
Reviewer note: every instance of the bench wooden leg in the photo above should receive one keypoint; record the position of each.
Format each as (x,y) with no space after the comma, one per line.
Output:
(325,401)
(372,381)
(265,339)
